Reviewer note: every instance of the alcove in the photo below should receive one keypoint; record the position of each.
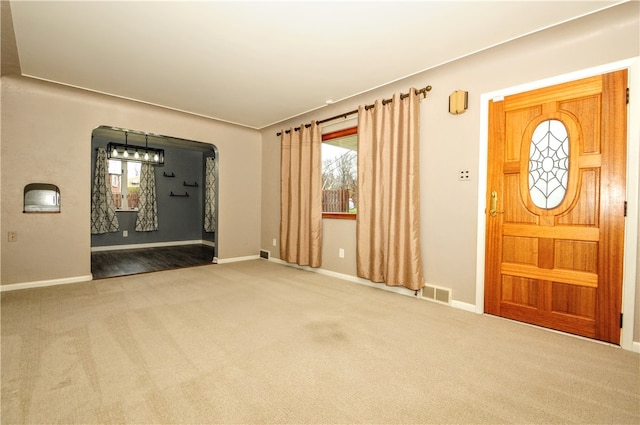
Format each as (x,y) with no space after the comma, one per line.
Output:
(41,198)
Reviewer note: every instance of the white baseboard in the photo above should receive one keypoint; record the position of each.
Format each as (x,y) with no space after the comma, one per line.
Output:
(151,245)
(43,283)
(463,306)
(355,279)
(635,345)
(236,259)
(395,289)
(77,279)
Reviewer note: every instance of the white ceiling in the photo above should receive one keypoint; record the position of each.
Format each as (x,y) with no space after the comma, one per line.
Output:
(259,63)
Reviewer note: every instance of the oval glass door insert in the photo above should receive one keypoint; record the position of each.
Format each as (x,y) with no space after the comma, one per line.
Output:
(548,164)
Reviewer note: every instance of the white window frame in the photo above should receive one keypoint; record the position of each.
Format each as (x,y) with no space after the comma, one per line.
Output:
(124,186)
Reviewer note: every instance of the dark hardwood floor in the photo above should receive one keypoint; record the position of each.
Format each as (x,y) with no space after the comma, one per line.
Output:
(134,261)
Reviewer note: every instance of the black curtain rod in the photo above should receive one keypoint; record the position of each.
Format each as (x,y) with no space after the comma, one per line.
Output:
(367,107)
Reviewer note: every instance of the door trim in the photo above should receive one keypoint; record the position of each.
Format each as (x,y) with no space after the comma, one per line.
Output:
(633,174)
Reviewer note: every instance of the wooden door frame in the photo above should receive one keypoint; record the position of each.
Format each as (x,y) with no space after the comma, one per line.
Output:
(633,175)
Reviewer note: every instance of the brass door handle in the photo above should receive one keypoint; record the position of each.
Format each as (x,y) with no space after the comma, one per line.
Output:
(493,210)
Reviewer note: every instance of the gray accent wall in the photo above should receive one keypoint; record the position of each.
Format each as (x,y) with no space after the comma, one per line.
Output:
(180,218)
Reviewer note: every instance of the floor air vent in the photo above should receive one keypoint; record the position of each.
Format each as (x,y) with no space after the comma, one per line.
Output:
(264,254)
(437,294)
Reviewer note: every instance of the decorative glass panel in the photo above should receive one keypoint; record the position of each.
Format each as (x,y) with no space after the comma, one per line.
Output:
(549,164)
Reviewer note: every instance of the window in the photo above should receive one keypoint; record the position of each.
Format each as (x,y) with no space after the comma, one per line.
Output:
(125,196)
(340,174)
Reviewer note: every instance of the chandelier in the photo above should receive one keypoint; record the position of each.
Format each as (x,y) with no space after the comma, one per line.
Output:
(127,152)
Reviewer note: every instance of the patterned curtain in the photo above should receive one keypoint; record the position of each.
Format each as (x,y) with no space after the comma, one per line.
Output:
(103,211)
(210,195)
(147,218)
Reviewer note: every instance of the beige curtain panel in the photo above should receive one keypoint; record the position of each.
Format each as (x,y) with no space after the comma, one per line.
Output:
(388,220)
(301,196)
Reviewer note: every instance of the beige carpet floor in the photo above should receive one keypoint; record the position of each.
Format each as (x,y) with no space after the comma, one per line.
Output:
(257,342)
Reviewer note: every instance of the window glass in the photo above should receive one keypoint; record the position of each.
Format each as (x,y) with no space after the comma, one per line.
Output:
(133,184)
(125,196)
(340,174)
(115,166)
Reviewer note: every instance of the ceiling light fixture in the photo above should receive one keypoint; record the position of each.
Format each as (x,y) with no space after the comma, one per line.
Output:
(153,156)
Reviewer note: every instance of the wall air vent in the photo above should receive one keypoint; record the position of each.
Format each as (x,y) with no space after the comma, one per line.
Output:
(437,294)
(264,254)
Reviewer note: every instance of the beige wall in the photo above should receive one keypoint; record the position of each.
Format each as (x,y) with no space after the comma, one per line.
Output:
(451,143)
(46,137)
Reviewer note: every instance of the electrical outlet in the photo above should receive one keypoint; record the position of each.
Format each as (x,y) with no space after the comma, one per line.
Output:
(13,236)
(464,175)
(275,242)
(341,253)
(125,233)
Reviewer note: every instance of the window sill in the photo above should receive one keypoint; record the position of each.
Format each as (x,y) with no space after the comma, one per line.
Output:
(123,210)
(340,216)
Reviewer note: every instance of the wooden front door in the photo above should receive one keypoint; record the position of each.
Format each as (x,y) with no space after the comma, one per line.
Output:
(555,206)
